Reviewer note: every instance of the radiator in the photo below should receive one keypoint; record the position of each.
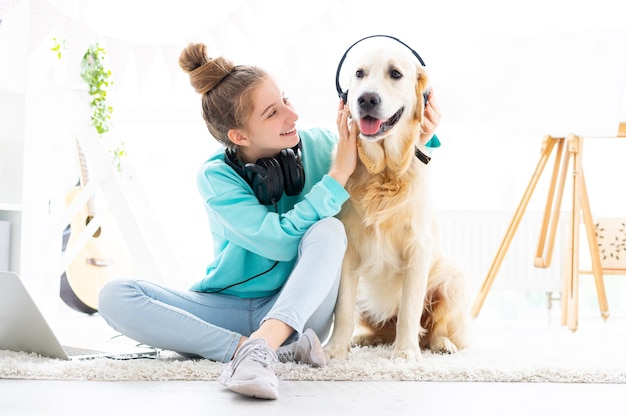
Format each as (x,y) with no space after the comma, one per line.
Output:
(472,239)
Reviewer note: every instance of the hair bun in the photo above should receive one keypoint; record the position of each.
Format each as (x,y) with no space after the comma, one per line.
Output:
(204,73)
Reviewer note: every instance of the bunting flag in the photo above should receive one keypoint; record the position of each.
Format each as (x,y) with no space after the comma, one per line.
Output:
(244,20)
(6,6)
(119,53)
(171,53)
(44,17)
(145,56)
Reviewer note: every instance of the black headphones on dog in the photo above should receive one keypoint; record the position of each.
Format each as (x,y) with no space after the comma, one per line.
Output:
(270,177)
(344,94)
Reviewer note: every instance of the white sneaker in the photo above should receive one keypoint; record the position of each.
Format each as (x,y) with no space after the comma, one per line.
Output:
(306,350)
(251,371)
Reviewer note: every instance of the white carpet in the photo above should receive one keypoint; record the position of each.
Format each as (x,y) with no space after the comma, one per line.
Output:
(508,351)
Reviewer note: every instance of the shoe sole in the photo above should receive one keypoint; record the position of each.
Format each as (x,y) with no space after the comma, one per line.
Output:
(254,390)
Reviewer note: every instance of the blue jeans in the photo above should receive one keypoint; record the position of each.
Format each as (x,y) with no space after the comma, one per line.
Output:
(210,325)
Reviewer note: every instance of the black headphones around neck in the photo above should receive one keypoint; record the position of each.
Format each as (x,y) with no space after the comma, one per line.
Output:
(344,94)
(270,177)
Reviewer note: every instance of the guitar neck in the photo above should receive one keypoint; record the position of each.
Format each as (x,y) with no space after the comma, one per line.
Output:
(84,179)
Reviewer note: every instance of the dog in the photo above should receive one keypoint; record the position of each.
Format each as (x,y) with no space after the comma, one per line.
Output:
(395,280)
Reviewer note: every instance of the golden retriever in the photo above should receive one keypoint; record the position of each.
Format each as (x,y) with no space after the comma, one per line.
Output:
(403,291)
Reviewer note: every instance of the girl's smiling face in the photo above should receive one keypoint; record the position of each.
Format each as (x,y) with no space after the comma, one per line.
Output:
(271,126)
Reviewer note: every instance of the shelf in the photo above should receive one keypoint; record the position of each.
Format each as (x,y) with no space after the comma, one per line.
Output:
(10,207)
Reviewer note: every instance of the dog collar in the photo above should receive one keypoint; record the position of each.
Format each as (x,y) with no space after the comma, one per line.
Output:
(423,157)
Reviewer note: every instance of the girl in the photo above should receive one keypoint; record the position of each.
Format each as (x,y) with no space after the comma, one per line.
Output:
(271,199)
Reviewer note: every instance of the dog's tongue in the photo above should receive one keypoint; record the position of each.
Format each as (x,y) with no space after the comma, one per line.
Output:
(369,125)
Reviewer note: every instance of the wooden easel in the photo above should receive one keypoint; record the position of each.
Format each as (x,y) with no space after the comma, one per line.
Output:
(569,148)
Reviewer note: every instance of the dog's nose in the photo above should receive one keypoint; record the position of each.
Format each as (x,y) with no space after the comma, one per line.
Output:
(369,101)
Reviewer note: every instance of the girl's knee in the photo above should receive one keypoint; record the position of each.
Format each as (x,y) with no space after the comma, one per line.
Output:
(326,238)
(109,290)
(331,229)
(112,295)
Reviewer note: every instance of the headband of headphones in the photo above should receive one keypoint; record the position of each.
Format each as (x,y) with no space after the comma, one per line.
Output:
(344,94)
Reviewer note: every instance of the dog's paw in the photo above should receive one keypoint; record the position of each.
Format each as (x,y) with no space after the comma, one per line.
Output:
(408,354)
(337,352)
(443,345)
(367,340)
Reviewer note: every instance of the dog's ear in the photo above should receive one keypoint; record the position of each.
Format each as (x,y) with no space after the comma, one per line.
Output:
(421,90)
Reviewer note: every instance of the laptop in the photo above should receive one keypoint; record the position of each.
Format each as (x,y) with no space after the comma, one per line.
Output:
(23,328)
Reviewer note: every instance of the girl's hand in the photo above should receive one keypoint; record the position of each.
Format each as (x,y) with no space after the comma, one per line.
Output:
(432,116)
(346,155)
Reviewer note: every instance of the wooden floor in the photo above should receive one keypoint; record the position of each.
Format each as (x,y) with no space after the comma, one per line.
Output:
(178,398)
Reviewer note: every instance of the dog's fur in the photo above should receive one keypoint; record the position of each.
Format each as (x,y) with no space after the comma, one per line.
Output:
(394,275)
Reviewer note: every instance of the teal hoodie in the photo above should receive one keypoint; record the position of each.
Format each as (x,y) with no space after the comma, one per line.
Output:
(248,238)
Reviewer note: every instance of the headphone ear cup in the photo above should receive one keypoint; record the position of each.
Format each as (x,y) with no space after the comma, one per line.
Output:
(293,171)
(270,177)
(267,180)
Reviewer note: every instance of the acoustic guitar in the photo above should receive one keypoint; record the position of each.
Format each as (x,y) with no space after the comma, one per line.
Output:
(100,260)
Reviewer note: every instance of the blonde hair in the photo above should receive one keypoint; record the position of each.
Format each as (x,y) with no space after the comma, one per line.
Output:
(226,89)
